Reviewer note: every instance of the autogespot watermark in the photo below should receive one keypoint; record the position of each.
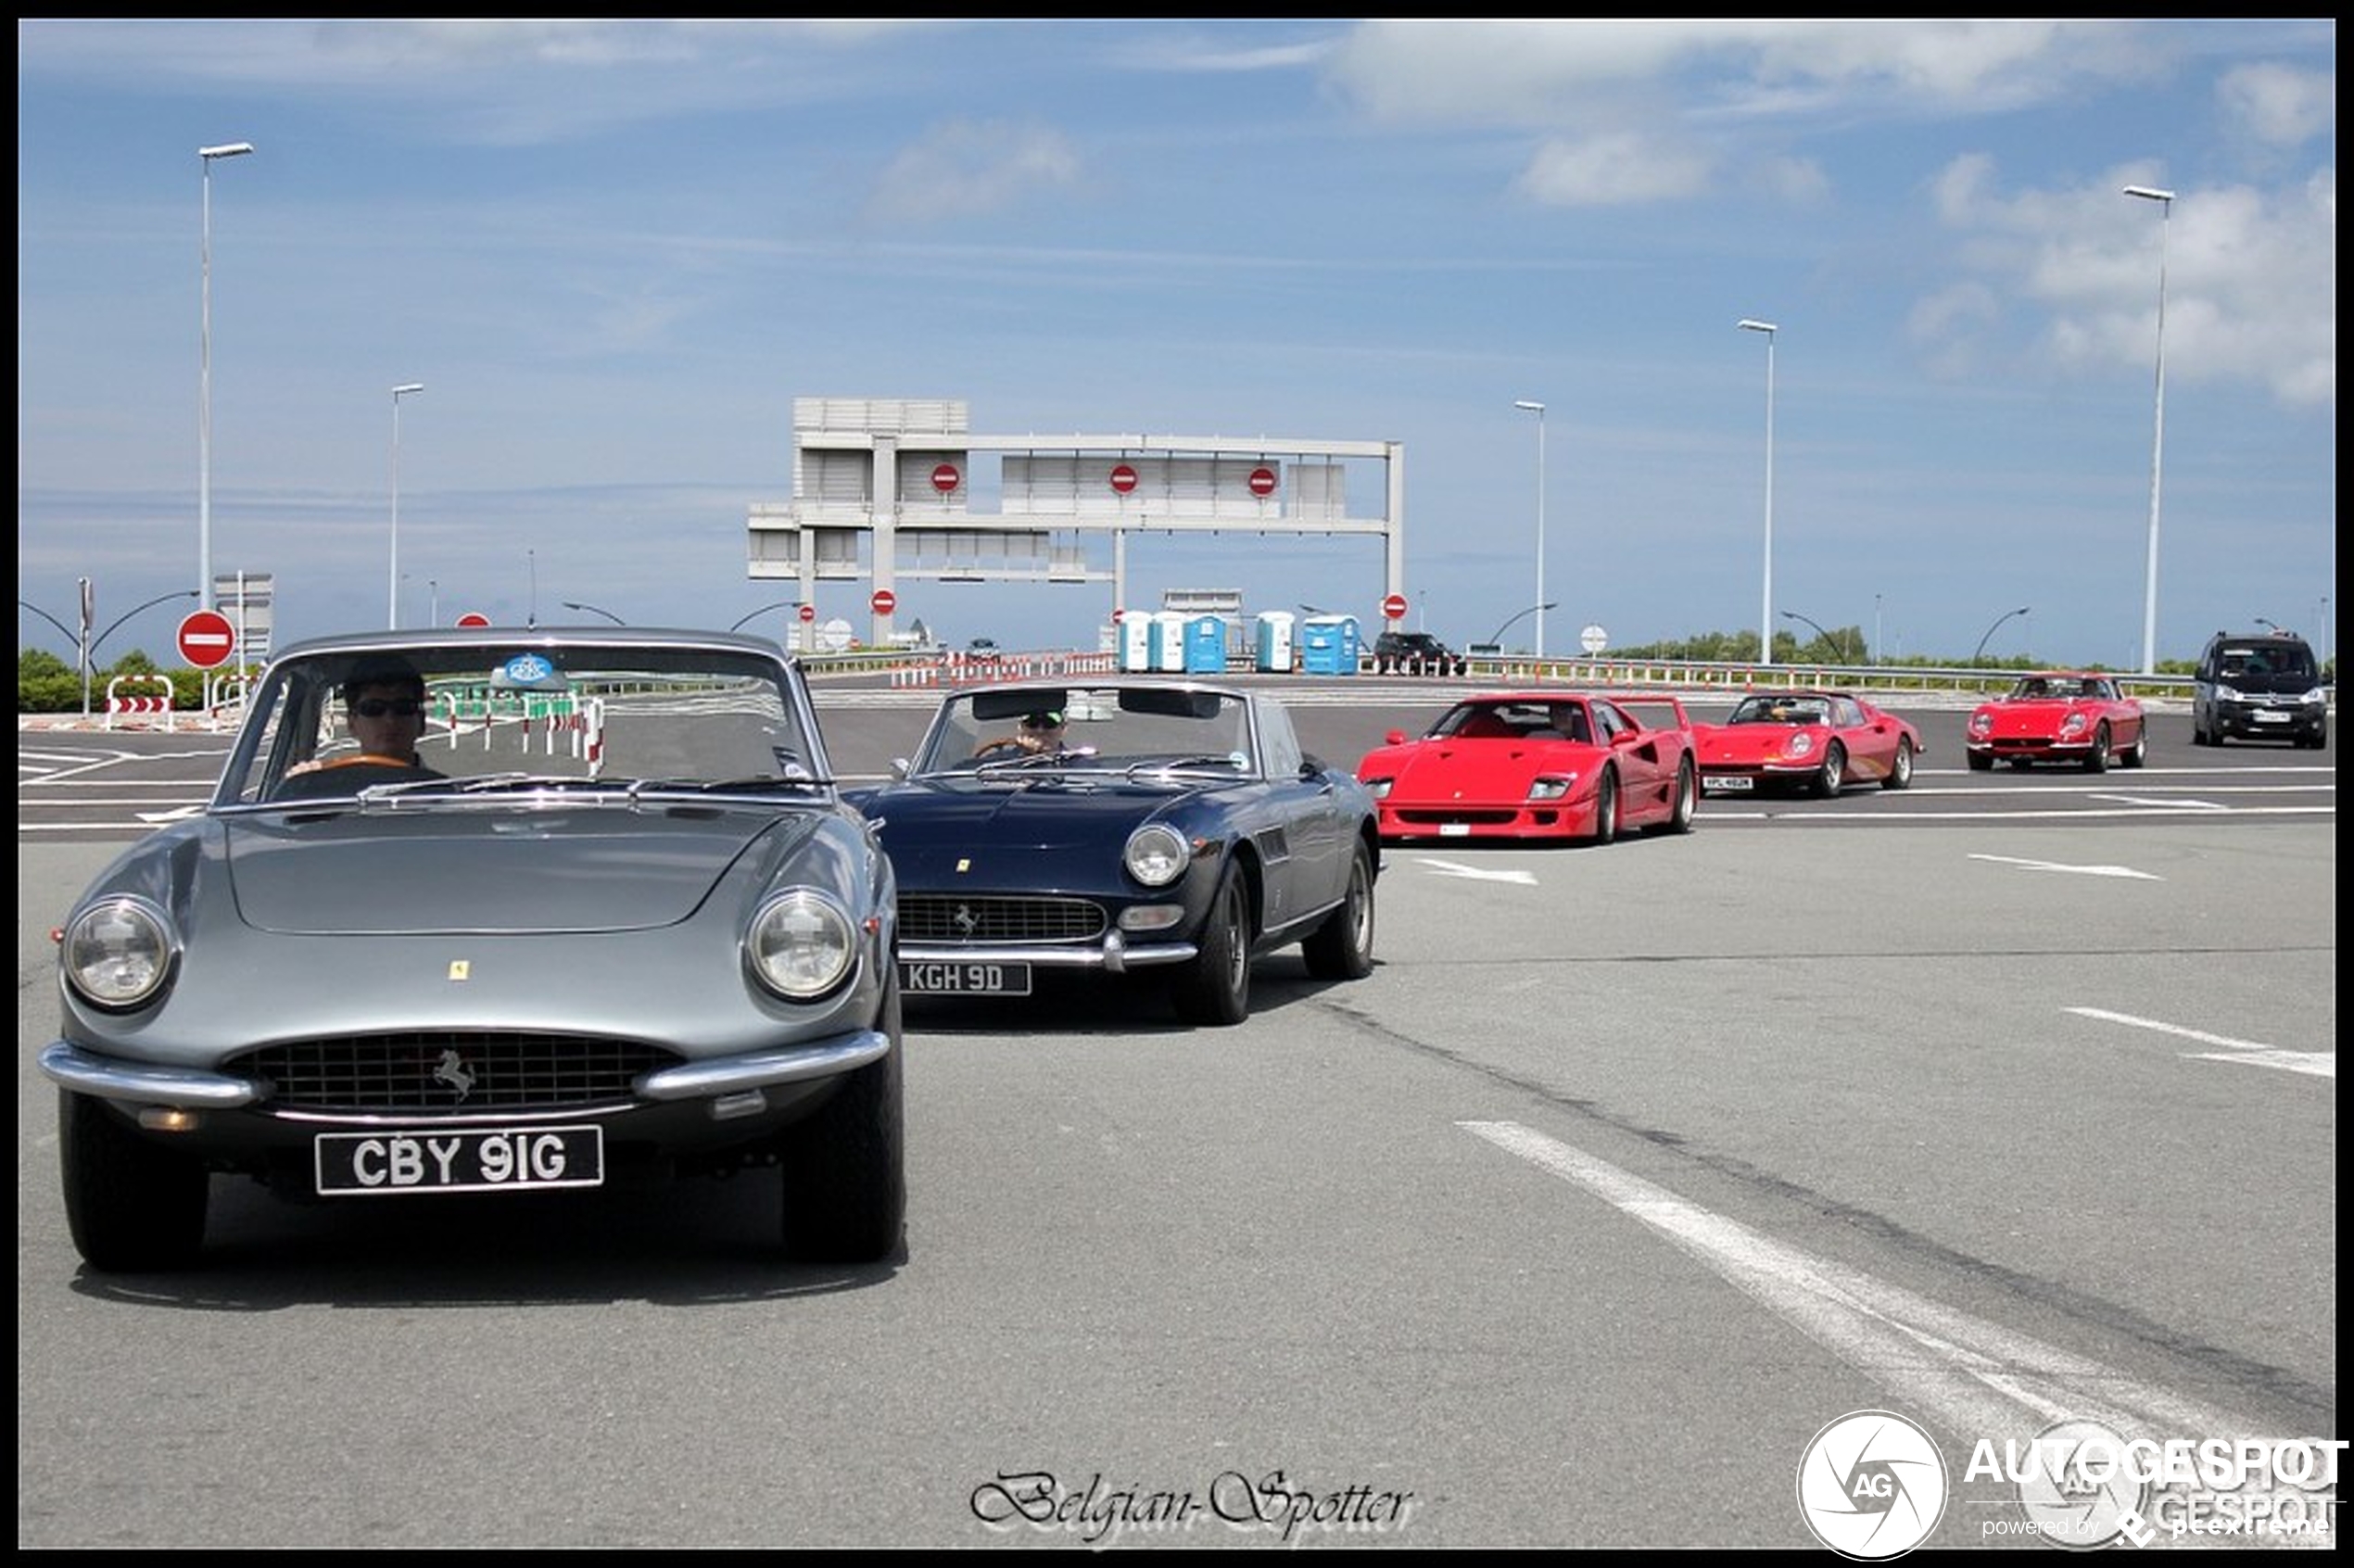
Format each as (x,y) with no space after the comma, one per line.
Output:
(1099,1513)
(1871,1485)
(2082,1484)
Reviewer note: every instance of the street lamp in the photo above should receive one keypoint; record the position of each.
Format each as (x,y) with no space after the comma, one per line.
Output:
(595,610)
(2273,624)
(1497,637)
(749,615)
(1874,654)
(1766,603)
(204,379)
(392,615)
(2165,200)
(1991,630)
(1836,644)
(1531,406)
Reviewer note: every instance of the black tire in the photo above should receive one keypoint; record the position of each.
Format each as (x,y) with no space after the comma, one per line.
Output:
(1215,987)
(1979,761)
(2139,752)
(1687,806)
(1606,810)
(2097,760)
(1342,947)
(1833,773)
(1900,774)
(845,1168)
(132,1205)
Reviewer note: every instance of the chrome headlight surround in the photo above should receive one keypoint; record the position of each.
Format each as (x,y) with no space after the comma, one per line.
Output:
(1551,786)
(2074,726)
(1801,744)
(800,945)
(119,954)
(1156,854)
(1981,723)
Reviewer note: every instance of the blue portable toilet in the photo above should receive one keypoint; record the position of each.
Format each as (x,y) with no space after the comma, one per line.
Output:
(1135,641)
(1169,639)
(1328,645)
(1206,645)
(1275,646)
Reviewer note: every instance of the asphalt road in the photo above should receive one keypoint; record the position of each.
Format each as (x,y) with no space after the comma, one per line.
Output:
(2005,1100)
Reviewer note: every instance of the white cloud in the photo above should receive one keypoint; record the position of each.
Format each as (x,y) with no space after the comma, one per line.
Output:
(1612,169)
(967,168)
(2278,106)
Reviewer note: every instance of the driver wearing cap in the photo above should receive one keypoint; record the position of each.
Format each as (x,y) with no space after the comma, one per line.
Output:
(1040,730)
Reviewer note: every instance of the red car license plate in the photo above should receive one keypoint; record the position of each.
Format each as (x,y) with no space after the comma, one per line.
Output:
(474,1160)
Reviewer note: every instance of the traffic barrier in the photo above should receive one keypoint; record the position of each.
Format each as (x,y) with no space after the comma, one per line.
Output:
(117,703)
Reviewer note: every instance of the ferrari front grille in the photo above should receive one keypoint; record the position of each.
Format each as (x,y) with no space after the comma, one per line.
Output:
(937,917)
(449,1071)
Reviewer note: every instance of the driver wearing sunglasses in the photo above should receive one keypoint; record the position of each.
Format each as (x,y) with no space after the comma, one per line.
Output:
(384,708)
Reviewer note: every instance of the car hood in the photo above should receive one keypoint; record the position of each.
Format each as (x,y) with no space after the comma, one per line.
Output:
(916,820)
(2267,685)
(2027,715)
(523,873)
(1437,764)
(1754,743)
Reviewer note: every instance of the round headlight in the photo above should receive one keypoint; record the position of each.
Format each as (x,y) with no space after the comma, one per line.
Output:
(118,953)
(801,945)
(1156,854)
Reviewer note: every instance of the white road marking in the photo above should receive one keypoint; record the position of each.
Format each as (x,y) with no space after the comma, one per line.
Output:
(2059,865)
(2248,1052)
(1979,1378)
(1478,873)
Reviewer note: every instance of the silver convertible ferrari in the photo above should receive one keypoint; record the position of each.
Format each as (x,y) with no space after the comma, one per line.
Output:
(492,911)
(1115,826)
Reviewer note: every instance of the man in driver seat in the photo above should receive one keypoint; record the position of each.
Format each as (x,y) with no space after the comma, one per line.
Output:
(383,707)
(1040,731)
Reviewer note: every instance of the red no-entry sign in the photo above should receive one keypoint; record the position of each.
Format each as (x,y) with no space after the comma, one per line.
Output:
(884,602)
(474,618)
(1262,481)
(807,612)
(206,638)
(945,478)
(1123,479)
(1394,607)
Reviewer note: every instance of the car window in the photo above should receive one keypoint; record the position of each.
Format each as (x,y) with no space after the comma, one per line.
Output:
(686,715)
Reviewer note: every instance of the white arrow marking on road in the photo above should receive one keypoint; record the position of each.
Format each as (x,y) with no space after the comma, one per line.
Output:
(1452,868)
(2078,870)
(172,816)
(2175,805)
(2248,1053)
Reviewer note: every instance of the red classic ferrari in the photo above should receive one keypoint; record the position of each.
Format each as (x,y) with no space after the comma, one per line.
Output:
(1537,765)
(1819,741)
(2077,717)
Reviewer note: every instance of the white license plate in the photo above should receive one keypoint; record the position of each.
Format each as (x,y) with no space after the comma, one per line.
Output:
(931,977)
(474,1160)
(1725,781)
(1454,830)
(2266,715)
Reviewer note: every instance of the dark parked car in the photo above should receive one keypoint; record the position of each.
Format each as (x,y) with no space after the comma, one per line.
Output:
(2259,686)
(1414,652)
(1123,826)
(492,911)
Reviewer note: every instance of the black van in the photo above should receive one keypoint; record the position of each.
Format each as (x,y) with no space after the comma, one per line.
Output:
(2259,686)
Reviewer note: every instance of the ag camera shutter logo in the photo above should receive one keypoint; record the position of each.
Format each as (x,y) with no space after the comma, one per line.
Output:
(1871,1485)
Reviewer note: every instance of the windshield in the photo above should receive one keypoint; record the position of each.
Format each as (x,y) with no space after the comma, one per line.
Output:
(422,722)
(1016,731)
(1781,710)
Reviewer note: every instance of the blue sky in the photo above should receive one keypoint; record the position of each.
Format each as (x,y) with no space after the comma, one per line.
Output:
(615,251)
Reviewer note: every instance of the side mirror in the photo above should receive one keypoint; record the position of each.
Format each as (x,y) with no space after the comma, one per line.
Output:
(1394,738)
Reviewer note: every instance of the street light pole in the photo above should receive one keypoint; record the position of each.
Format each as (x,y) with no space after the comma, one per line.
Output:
(2165,200)
(1531,406)
(1832,642)
(392,615)
(595,610)
(1497,637)
(204,378)
(1991,630)
(1766,603)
